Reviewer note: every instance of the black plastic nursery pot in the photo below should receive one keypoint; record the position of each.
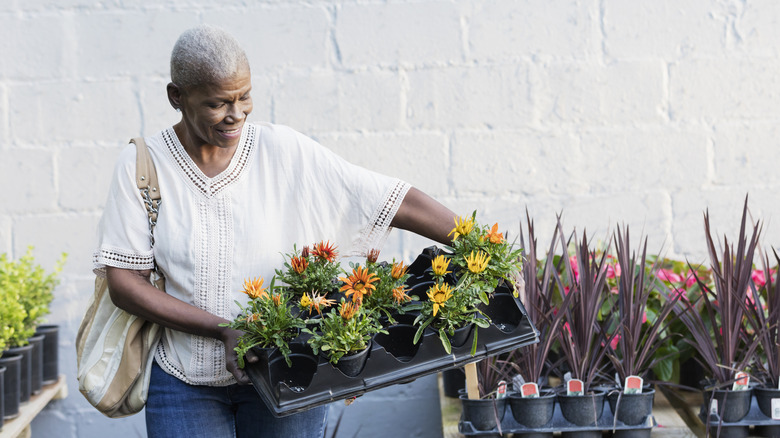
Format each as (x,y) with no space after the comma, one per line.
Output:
(732,406)
(764,397)
(392,359)
(483,414)
(582,410)
(632,409)
(36,363)
(11,387)
(50,352)
(2,398)
(535,412)
(25,369)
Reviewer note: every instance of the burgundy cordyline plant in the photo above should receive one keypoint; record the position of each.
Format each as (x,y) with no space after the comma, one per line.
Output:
(722,337)
(583,338)
(768,363)
(638,342)
(531,361)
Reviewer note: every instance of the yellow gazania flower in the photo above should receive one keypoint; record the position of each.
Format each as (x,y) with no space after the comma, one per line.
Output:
(316,302)
(325,250)
(494,236)
(399,295)
(348,310)
(477,263)
(440,265)
(254,288)
(462,227)
(299,264)
(438,294)
(398,271)
(359,283)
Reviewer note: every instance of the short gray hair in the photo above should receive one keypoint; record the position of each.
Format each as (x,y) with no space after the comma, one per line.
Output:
(206,55)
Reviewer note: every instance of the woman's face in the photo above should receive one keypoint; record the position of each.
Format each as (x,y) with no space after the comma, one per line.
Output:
(214,114)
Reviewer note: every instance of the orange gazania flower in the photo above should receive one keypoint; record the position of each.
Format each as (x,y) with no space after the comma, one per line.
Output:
(299,264)
(277,299)
(316,302)
(398,271)
(325,250)
(372,256)
(438,294)
(440,265)
(253,317)
(462,227)
(348,310)
(254,288)
(477,263)
(494,236)
(359,283)
(399,295)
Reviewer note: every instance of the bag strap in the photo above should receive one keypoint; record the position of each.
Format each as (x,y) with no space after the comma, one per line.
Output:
(146,180)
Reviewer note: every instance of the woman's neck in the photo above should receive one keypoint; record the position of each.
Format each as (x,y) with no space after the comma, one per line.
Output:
(211,160)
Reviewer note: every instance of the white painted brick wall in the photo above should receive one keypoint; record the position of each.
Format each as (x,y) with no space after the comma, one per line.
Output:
(607,111)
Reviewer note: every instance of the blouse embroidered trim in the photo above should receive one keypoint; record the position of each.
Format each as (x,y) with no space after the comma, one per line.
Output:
(211,186)
(374,235)
(120,258)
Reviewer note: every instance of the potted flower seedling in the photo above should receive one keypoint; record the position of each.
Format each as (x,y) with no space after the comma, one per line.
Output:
(584,338)
(385,293)
(641,330)
(267,320)
(487,412)
(311,271)
(720,335)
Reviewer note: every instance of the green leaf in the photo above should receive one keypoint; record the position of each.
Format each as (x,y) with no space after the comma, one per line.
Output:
(445,341)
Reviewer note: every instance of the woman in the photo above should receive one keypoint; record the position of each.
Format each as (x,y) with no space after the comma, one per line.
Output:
(235,196)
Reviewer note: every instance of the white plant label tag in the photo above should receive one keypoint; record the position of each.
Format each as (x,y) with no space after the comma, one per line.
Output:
(714,407)
(574,387)
(741,381)
(633,385)
(529,390)
(776,408)
(501,390)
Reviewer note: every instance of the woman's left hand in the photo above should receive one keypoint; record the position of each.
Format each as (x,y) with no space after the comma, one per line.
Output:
(230,339)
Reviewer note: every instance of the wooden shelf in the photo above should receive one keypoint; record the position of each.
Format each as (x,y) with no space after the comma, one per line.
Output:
(19,427)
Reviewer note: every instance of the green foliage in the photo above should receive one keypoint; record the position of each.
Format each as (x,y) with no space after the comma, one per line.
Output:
(345,332)
(26,291)
(305,272)
(267,321)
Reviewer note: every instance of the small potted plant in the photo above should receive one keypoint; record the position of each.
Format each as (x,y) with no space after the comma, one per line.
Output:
(487,411)
(531,403)
(267,320)
(767,359)
(387,299)
(311,271)
(343,336)
(641,330)
(721,335)
(481,258)
(584,338)
(12,317)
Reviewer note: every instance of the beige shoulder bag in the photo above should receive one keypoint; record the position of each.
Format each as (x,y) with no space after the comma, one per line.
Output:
(115,349)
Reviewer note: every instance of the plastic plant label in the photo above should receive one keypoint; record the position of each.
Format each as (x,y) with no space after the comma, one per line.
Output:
(741,382)
(517,382)
(633,385)
(776,408)
(501,390)
(714,407)
(574,387)
(529,390)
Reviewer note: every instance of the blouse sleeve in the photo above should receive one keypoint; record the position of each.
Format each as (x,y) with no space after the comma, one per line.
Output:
(123,232)
(361,203)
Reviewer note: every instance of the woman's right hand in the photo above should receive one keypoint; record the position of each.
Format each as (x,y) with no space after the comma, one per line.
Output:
(230,339)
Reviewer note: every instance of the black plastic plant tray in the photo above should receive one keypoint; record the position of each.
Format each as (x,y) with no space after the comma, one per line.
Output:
(313,381)
(754,417)
(559,424)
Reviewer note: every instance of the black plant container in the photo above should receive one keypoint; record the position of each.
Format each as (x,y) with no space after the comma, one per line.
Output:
(36,363)
(632,409)
(764,398)
(351,365)
(582,410)
(2,394)
(25,369)
(50,352)
(11,387)
(533,412)
(483,414)
(732,405)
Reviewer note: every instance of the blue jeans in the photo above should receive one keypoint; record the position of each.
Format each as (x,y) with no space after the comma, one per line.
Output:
(177,409)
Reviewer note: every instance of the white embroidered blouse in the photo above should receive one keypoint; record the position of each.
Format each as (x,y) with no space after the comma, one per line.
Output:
(280,188)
